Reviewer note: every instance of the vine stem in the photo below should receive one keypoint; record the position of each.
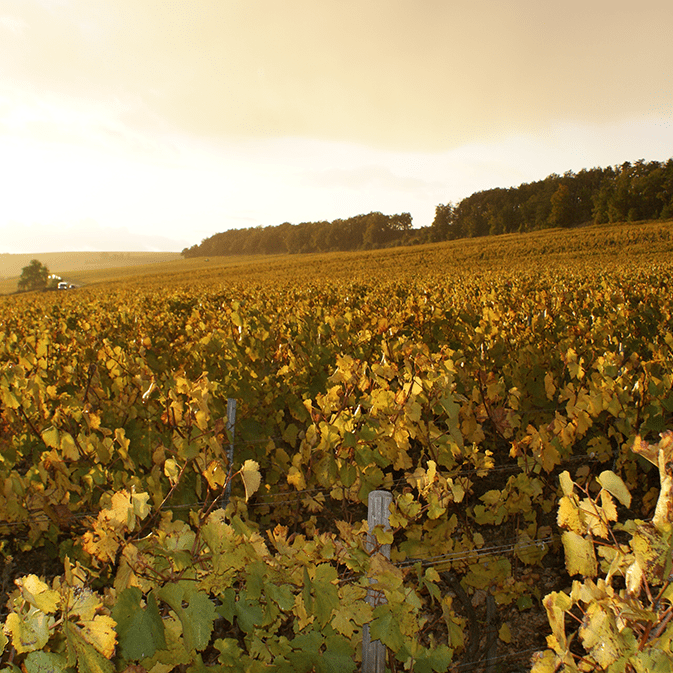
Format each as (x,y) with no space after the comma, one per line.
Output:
(663,623)
(152,519)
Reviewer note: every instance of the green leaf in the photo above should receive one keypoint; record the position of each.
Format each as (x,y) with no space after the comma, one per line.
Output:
(45,662)
(337,657)
(197,618)
(524,602)
(227,607)
(281,595)
(505,633)
(250,613)
(305,652)
(230,652)
(385,627)
(140,631)
(615,486)
(347,474)
(435,659)
(306,592)
(326,595)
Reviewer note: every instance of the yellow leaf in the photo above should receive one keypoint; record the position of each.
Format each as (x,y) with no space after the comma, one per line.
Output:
(304,619)
(431,474)
(614,485)
(84,604)
(608,506)
(68,447)
(140,507)
(102,546)
(215,475)
(296,478)
(37,593)
(556,605)
(457,490)
(566,483)
(251,477)
(568,516)
(594,518)
(600,635)
(51,437)
(120,512)
(634,578)
(100,632)
(505,634)
(648,451)
(171,470)
(580,555)
(124,442)
(88,656)
(28,631)
(202,419)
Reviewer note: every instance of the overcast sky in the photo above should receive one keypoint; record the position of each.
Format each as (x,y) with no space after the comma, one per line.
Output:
(152,124)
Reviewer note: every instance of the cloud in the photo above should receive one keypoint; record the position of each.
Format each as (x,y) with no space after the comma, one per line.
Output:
(428,76)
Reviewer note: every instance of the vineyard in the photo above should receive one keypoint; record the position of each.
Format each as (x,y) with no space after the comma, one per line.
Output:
(513,394)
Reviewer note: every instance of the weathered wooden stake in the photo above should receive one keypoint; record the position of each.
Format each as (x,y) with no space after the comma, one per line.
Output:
(374,653)
(231,423)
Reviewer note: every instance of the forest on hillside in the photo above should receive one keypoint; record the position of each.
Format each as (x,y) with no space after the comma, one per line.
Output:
(625,193)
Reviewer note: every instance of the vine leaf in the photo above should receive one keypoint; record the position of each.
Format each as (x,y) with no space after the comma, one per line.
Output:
(386,628)
(600,636)
(580,555)
(37,593)
(45,662)
(615,486)
(140,631)
(28,631)
(251,477)
(566,483)
(197,618)
(338,655)
(88,658)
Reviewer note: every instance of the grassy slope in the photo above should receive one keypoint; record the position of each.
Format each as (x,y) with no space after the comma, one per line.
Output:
(580,245)
(76,266)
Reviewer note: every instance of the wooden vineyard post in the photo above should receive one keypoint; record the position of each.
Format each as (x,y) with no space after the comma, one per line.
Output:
(374,653)
(231,423)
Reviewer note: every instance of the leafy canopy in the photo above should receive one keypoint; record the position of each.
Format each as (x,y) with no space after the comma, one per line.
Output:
(34,276)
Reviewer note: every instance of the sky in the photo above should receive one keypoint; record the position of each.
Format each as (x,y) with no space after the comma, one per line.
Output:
(153,124)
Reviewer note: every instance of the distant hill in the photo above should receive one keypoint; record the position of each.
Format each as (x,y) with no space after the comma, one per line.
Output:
(63,262)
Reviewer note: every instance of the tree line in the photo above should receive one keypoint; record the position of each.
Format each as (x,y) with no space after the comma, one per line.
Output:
(362,232)
(624,193)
